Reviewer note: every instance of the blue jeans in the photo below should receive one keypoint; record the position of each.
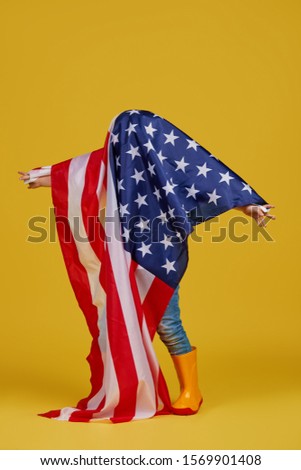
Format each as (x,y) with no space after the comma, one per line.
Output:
(171,330)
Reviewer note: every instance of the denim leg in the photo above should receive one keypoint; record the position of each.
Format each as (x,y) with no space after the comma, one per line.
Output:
(170,328)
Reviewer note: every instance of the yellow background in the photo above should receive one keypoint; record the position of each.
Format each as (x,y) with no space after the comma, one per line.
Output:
(228,74)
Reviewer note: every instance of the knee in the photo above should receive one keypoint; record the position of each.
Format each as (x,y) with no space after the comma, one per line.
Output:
(174,337)
(170,330)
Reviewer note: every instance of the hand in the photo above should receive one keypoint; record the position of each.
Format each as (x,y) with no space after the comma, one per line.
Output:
(39,182)
(257,213)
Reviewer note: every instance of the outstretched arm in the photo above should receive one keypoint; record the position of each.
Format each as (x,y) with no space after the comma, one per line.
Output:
(256,211)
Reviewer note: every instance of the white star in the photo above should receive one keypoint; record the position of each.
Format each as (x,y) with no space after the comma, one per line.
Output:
(157,194)
(123,209)
(170,138)
(126,234)
(192,144)
(171,212)
(168,188)
(181,164)
(134,152)
(118,161)
(192,191)
(114,138)
(143,224)
(247,188)
(203,170)
(149,146)
(169,266)
(166,242)
(163,217)
(150,129)
(225,177)
(213,197)
(131,128)
(145,249)
(151,169)
(133,111)
(119,185)
(138,176)
(173,184)
(141,200)
(161,157)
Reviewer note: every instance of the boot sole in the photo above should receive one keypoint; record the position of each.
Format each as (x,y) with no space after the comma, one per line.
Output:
(186,411)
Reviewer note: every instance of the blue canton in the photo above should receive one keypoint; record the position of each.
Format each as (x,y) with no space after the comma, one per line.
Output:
(165,184)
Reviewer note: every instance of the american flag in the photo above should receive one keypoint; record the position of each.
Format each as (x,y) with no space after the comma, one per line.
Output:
(123,215)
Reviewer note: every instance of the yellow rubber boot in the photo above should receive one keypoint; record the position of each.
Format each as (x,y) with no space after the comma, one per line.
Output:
(190,398)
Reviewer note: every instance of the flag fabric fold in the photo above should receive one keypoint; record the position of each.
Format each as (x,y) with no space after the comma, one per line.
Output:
(123,215)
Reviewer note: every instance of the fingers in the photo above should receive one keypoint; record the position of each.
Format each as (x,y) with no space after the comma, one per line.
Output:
(33,185)
(263,214)
(25,176)
(261,222)
(266,214)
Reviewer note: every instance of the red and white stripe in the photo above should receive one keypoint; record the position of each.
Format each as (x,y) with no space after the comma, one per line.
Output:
(122,302)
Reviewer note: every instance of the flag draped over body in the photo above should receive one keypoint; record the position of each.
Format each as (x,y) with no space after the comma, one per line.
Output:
(123,214)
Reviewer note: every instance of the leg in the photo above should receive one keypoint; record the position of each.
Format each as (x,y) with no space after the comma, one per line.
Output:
(171,330)
(183,355)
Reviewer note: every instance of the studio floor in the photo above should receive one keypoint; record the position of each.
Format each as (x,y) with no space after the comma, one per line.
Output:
(252,407)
